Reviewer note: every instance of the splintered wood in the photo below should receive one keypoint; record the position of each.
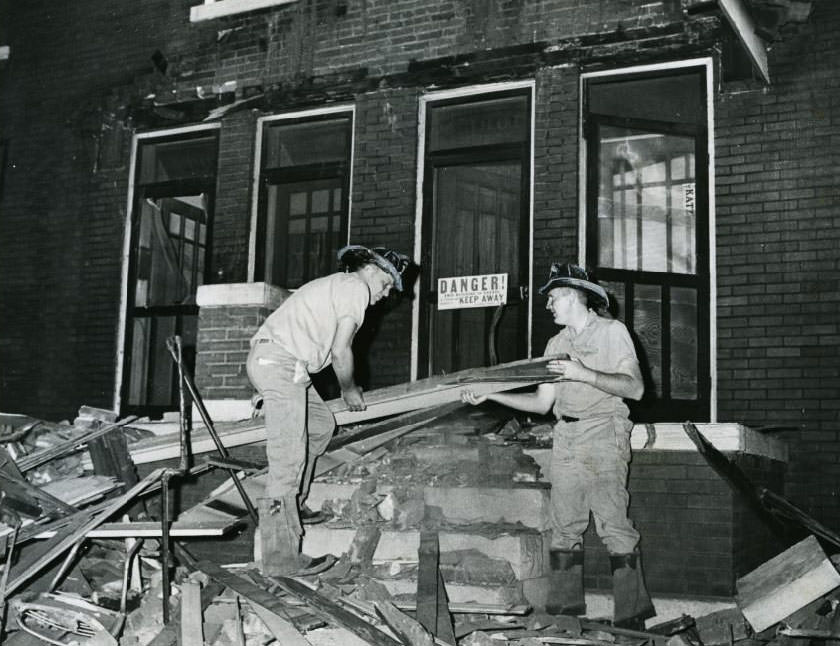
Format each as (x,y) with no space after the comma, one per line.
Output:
(786,583)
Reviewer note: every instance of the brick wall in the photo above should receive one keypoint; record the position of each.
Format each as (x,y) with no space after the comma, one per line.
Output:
(777,240)
(698,536)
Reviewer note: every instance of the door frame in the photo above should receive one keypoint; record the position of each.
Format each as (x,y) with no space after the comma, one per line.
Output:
(708,64)
(465,92)
(119,357)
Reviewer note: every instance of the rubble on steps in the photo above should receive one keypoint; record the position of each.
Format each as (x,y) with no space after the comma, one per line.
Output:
(462,481)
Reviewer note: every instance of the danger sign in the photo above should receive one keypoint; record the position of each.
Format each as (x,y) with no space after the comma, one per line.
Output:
(484,290)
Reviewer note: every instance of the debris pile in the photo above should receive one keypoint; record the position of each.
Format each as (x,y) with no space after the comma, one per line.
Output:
(437,522)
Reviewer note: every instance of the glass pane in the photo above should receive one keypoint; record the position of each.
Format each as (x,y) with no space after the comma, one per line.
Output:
(296,208)
(684,343)
(646,215)
(321,201)
(319,225)
(302,144)
(479,123)
(676,98)
(185,159)
(647,324)
(150,370)
(297,204)
(167,273)
(615,291)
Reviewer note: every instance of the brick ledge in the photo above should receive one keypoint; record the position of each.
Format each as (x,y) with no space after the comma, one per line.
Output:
(241,294)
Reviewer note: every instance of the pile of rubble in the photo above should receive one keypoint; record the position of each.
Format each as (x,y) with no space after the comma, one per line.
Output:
(437,520)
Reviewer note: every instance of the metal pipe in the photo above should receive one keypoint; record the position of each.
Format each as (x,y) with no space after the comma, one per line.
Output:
(211,429)
(65,565)
(164,543)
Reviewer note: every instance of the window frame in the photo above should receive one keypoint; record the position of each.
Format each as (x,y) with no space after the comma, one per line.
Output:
(137,192)
(262,176)
(704,278)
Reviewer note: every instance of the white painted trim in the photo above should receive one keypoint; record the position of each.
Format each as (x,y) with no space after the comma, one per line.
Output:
(713,336)
(255,181)
(439,95)
(708,64)
(742,22)
(218,8)
(121,332)
(241,295)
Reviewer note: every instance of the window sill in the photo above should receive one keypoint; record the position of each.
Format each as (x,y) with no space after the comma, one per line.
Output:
(217,8)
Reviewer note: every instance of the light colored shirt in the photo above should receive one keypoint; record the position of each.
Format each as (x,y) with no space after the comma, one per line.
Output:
(602,345)
(305,324)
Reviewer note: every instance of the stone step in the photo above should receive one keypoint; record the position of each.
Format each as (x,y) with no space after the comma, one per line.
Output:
(525,550)
(459,505)
(501,595)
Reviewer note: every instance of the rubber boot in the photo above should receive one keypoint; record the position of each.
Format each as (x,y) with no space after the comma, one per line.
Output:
(632,601)
(280,533)
(565,585)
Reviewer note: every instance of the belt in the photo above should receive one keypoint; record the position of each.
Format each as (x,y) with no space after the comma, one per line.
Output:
(568,419)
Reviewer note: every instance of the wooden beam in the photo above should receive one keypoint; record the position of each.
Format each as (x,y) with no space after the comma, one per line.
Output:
(786,583)
(432,604)
(218,8)
(738,15)
(192,618)
(269,608)
(334,613)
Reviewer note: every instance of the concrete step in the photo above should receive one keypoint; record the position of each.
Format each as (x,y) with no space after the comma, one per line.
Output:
(525,550)
(502,595)
(459,505)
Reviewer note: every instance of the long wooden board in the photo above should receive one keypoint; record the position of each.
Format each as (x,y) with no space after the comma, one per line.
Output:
(399,399)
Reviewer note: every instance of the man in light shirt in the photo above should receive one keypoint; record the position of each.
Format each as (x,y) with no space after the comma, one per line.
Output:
(597,370)
(312,329)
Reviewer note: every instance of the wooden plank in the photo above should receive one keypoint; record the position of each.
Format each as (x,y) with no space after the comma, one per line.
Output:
(168,636)
(785,583)
(738,15)
(37,459)
(192,621)
(63,541)
(334,613)
(432,607)
(282,620)
(151,529)
(431,393)
(283,630)
(435,391)
(409,631)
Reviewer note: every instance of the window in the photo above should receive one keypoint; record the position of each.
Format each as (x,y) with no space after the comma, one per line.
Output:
(170,258)
(303,200)
(647,228)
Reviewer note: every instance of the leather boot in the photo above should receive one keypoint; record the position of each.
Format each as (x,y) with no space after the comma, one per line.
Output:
(565,589)
(632,601)
(280,533)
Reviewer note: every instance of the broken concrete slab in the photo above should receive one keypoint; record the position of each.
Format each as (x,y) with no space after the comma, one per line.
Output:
(462,505)
(510,594)
(526,550)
